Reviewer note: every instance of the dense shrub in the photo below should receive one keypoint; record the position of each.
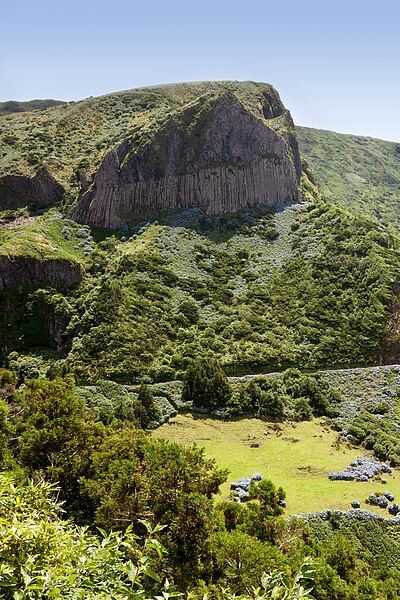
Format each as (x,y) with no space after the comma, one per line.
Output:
(206,385)
(145,410)
(377,434)
(292,395)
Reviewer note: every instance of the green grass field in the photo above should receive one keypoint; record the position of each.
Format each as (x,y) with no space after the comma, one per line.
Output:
(298,457)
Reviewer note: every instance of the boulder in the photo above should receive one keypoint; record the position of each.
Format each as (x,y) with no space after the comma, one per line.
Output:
(393,509)
(243,495)
(389,496)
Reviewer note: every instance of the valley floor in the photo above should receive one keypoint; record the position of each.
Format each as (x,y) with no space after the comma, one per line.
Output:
(296,456)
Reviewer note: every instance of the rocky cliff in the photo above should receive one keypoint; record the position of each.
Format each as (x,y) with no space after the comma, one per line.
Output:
(27,270)
(40,190)
(215,153)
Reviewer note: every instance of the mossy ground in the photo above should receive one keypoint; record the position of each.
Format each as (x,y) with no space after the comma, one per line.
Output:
(297,456)
(46,237)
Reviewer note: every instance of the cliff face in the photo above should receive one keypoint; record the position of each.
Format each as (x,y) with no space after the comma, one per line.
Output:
(215,154)
(41,190)
(17,270)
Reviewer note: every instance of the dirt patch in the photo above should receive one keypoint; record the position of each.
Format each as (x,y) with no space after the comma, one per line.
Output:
(310,470)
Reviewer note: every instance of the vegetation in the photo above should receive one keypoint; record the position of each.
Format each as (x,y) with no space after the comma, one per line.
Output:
(93,505)
(76,135)
(206,385)
(113,475)
(44,556)
(152,303)
(358,173)
(292,396)
(16,106)
(379,433)
(297,456)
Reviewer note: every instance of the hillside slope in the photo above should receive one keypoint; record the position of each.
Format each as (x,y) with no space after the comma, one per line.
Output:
(12,106)
(309,286)
(359,173)
(267,287)
(170,145)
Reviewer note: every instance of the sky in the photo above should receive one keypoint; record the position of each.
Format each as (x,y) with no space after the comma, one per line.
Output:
(335,63)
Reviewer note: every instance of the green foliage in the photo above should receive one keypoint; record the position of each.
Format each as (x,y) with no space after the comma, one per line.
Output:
(132,478)
(78,134)
(206,385)
(355,556)
(108,400)
(240,560)
(269,497)
(319,296)
(44,556)
(7,383)
(4,431)
(146,411)
(377,433)
(292,395)
(359,173)
(54,438)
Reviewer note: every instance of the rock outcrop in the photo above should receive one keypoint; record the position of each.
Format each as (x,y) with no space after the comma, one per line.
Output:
(27,270)
(41,190)
(215,154)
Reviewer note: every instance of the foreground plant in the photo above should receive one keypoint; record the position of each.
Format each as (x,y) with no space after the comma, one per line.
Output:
(43,556)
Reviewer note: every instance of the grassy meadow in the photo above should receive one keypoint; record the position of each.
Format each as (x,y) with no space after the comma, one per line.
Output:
(297,456)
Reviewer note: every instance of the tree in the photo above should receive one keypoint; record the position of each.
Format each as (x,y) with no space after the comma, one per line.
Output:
(206,384)
(146,411)
(55,437)
(45,556)
(135,478)
(269,497)
(262,519)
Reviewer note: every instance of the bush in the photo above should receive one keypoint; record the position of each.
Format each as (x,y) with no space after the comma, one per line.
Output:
(206,385)
(146,411)
(45,556)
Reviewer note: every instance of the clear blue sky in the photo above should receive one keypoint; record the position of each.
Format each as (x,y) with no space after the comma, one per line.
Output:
(335,63)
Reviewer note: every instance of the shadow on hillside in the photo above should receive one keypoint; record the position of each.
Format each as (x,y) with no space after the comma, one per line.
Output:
(216,228)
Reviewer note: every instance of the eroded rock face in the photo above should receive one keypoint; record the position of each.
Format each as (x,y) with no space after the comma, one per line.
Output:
(41,190)
(17,270)
(215,155)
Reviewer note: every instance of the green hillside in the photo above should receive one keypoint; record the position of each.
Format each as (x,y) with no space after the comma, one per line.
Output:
(361,174)
(310,286)
(108,334)
(12,106)
(77,134)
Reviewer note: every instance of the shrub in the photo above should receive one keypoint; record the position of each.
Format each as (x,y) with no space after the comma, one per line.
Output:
(146,411)
(206,385)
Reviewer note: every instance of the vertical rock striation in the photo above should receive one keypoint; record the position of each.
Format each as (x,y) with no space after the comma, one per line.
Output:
(215,154)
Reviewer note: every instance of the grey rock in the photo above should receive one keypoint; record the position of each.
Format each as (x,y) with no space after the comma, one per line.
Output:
(233,161)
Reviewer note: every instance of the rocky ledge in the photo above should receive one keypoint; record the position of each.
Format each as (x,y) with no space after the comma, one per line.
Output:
(20,270)
(41,190)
